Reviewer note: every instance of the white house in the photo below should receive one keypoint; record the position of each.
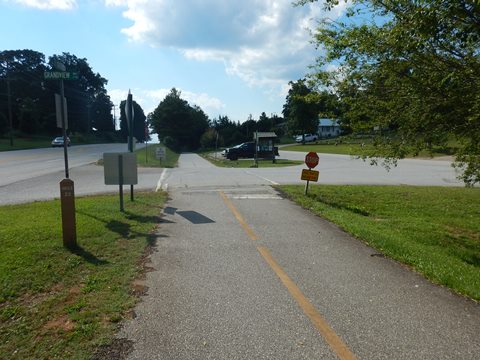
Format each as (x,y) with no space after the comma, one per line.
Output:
(328,128)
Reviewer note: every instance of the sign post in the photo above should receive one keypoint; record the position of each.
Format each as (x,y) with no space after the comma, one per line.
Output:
(67,192)
(120,169)
(160,153)
(311,160)
(129,113)
(67,200)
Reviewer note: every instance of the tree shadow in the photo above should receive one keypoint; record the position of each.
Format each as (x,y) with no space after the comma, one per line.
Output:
(119,227)
(88,256)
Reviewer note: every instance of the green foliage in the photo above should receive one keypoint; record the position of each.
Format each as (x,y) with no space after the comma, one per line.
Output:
(433,229)
(55,303)
(411,71)
(139,122)
(33,108)
(209,139)
(179,123)
(146,157)
(300,110)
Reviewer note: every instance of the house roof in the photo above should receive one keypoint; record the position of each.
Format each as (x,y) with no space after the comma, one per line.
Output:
(327,122)
(264,135)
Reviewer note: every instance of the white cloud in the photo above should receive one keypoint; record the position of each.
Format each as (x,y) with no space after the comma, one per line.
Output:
(264,42)
(203,100)
(49,4)
(149,99)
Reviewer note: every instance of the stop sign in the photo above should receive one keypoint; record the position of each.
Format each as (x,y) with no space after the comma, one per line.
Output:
(311,160)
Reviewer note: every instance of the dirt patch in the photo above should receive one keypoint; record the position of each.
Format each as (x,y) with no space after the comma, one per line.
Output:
(61,323)
(118,349)
(139,287)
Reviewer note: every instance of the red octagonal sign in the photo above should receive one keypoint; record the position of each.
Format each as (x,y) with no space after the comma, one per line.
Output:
(311,160)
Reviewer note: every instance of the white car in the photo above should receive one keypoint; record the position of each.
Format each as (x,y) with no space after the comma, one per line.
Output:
(308,138)
(58,142)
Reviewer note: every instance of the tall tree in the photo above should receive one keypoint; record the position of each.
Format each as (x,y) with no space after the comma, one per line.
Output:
(21,72)
(264,123)
(100,113)
(177,123)
(139,122)
(82,94)
(300,110)
(412,69)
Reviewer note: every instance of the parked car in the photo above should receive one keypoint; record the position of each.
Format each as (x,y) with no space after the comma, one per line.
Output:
(247,150)
(308,138)
(58,141)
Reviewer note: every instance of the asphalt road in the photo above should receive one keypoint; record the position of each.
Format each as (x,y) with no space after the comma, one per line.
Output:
(240,273)
(32,175)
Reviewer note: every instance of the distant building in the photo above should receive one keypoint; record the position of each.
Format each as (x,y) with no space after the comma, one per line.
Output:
(328,128)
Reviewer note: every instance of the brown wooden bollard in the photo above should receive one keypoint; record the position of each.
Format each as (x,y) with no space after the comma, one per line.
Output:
(67,199)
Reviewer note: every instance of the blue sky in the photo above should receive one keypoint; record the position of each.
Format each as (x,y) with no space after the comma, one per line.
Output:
(229,57)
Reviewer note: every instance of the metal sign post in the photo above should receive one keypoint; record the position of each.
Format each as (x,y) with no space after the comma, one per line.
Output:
(67,192)
(130,115)
(120,169)
(311,160)
(64,130)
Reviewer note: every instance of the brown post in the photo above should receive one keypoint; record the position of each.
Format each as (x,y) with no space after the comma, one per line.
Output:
(67,199)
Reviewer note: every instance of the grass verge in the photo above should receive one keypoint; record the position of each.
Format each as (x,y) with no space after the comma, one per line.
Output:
(25,143)
(220,161)
(61,304)
(146,157)
(359,146)
(342,149)
(435,230)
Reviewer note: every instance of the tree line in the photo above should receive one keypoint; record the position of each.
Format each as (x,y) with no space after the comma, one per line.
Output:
(29,101)
(182,126)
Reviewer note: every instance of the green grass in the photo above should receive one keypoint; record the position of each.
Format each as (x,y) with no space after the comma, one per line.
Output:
(59,304)
(343,149)
(220,161)
(435,230)
(25,143)
(146,157)
(359,146)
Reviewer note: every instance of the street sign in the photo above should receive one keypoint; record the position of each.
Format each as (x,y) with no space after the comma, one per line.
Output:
(310,175)
(160,153)
(60,75)
(311,160)
(120,168)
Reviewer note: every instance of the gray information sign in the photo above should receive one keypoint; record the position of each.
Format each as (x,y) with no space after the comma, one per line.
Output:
(120,168)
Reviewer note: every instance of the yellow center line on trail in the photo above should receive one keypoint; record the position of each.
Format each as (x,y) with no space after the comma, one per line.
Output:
(333,340)
(336,344)
(239,217)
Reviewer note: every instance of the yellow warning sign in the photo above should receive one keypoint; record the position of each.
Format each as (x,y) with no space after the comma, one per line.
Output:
(310,175)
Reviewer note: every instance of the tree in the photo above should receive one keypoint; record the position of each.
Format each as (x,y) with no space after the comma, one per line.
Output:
(412,70)
(100,114)
(33,105)
(22,75)
(84,93)
(264,123)
(210,139)
(300,110)
(183,125)
(139,122)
